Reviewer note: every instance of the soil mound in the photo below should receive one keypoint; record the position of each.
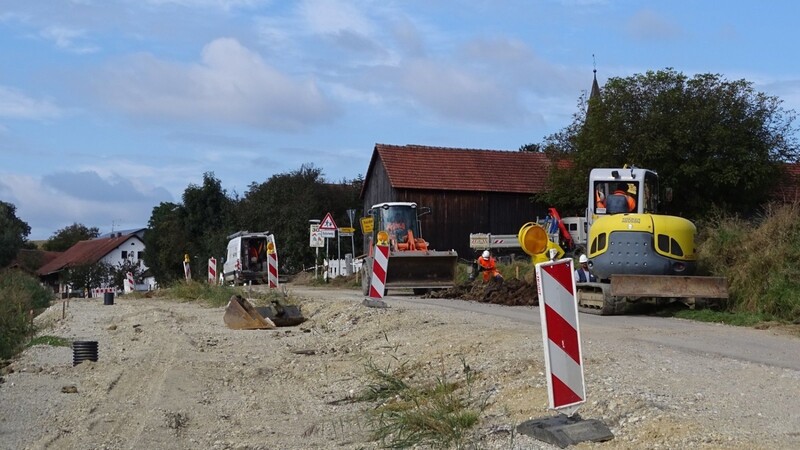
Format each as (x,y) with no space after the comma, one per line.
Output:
(512,292)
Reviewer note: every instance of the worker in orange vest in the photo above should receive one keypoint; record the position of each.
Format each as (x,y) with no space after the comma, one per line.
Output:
(488,266)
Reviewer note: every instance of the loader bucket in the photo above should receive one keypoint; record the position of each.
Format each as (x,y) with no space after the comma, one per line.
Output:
(421,269)
(241,315)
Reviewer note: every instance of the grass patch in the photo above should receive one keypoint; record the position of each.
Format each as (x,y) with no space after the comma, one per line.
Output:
(53,341)
(742,319)
(414,410)
(759,259)
(215,295)
(19,295)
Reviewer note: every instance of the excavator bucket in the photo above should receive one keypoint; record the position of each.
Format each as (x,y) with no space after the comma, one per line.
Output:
(429,269)
(241,315)
(281,315)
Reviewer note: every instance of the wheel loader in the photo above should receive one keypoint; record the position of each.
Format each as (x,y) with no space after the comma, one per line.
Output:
(639,255)
(412,263)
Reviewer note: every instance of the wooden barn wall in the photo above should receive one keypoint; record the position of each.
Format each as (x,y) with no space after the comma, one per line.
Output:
(456,214)
(379,189)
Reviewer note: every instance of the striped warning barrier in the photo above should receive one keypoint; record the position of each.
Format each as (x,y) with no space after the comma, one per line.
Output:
(272,265)
(558,306)
(129,284)
(380,263)
(97,292)
(212,270)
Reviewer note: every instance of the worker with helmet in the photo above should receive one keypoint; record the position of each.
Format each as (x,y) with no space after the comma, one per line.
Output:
(582,273)
(488,265)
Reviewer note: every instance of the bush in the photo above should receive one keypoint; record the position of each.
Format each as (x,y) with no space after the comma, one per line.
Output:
(19,294)
(759,259)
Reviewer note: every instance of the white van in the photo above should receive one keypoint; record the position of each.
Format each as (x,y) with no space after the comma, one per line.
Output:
(246,259)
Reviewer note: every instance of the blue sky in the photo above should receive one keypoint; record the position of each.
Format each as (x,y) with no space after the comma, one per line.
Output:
(108,108)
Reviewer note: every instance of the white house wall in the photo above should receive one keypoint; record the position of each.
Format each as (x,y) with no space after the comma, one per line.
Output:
(133,244)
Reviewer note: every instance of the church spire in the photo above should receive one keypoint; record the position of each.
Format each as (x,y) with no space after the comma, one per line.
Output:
(595,87)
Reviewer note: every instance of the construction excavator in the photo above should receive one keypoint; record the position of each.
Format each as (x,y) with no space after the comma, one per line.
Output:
(637,254)
(412,263)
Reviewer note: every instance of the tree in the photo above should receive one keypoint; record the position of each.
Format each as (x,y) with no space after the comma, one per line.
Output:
(715,143)
(68,236)
(284,204)
(13,233)
(165,242)
(87,276)
(208,221)
(198,227)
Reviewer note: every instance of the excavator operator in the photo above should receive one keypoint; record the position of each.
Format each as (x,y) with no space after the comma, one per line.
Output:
(622,199)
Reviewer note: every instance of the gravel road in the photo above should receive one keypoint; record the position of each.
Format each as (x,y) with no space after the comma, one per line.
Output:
(171,375)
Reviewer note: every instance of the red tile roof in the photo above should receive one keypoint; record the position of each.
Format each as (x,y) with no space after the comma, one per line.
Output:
(789,190)
(84,252)
(461,169)
(32,260)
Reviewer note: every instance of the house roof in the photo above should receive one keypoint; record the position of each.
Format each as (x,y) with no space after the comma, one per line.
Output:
(84,252)
(461,169)
(31,260)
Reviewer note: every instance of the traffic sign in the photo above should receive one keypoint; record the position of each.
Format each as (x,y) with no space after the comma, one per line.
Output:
(366,225)
(316,240)
(344,230)
(327,227)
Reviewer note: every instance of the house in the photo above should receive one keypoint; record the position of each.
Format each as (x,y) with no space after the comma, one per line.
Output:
(468,190)
(113,250)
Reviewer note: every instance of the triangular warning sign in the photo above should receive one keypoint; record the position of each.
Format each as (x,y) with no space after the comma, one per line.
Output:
(327,223)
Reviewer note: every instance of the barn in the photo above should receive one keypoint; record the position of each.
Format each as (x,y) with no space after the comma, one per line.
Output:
(467,190)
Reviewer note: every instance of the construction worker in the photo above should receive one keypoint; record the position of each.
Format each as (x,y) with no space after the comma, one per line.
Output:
(582,273)
(622,200)
(488,266)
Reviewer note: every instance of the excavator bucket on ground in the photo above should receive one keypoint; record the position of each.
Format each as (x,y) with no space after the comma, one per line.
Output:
(241,315)
(281,315)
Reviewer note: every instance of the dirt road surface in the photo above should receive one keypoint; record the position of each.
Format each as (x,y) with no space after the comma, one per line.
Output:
(171,375)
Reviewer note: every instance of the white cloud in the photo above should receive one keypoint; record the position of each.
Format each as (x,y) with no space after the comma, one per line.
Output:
(65,38)
(47,209)
(16,105)
(648,25)
(334,16)
(231,84)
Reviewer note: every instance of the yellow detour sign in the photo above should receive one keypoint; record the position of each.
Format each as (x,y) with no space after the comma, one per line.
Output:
(270,248)
(346,230)
(366,225)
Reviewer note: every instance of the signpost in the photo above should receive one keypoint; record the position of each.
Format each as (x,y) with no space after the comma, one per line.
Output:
(328,230)
(315,240)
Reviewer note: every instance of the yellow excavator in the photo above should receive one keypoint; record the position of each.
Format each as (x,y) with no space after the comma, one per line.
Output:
(638,255)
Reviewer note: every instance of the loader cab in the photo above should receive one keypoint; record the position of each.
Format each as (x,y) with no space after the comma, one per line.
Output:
(397,219)
(620,191)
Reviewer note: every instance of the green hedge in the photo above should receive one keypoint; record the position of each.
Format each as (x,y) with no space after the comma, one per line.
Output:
(19,294)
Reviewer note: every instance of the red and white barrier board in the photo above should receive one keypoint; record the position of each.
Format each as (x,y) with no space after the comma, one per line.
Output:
(129,285)
(379,265)
(272,266)
(212,270)
(558,306)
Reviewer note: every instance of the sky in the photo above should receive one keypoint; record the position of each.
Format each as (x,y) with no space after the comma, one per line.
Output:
(108,108)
